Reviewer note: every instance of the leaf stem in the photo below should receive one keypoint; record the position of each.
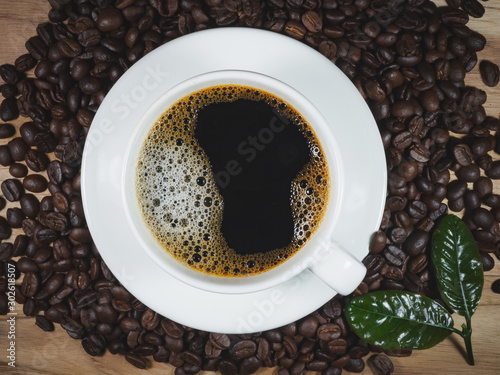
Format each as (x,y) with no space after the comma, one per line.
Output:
(467,334)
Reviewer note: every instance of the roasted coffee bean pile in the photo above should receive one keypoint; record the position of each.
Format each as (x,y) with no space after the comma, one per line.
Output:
(408,58)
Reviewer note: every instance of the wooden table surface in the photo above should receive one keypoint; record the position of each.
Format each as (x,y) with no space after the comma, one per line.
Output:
(39,352)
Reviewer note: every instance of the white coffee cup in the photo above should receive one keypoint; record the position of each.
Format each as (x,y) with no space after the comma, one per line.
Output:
(322,255)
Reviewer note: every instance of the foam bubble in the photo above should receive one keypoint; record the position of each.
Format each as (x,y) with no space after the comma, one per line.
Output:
(179,199)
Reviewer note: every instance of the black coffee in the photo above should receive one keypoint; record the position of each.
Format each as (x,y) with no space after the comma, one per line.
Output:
(255,154)
(232,181)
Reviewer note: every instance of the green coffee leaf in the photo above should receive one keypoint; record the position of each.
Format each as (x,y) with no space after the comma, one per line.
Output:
(395,320)
(458,266)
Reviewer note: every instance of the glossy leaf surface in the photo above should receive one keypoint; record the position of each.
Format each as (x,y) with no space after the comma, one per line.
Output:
(457,265)
(395,320)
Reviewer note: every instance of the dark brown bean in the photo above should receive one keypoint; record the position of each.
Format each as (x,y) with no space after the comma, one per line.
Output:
(69,47)
(483,186)
(18,148)
(482,218)
(9,110)
(495,286)
(474,8)
(249,365)
(463,154)
(475,41)
(308,327)
(218,340)
(312,21)
(35,183)
(18,170)
(12,189)
(469,173)
(244,349)
(44,323)
(7,130)
(5,156)
(380,364)
(490,73)
(494,171)
(136,360)
(36,161)
(10,74)
(295,30)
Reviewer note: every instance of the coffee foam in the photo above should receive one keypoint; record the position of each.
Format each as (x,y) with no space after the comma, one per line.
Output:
(179,199)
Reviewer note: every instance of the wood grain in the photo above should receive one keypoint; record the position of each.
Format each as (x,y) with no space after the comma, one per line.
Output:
(54,353)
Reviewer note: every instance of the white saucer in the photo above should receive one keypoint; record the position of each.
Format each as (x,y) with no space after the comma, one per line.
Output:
(260,51)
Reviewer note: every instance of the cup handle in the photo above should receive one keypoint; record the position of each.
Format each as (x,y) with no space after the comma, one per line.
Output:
(339,269)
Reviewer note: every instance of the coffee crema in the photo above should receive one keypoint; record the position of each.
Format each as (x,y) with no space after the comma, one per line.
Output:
(245,202)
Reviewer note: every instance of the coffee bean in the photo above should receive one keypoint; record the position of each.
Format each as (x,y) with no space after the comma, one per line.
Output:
(308,327)
(36,47)
(5,156)
(312,21)
(10,74)
(12,189)
(244,349)
(378,242)
(136,360)
(456,205)
(8,109)
(18,148)
(45,236)
(15,216)
(490,73)
(474,8)
(150,319)
(55,221)
(429,100)
(29,308)
(419,153)
(380,364)
(69,47)
(482,218)
(328,332)
(495,286)
(483,186)
(488,262)
(6,250)
(36,161)
(7,130)
(106,314)
(30,205)
(94,344)
(480,146)
(227,367)
(468,173)
(30,284)
(295,30)
(25,62)
(463,154)
(355,365)
(35,183)
(218,340)
(417,242)
(475,41)
(494,171)
(249,365)
(394,255)
(129,324)
(402,109)
(44,323)
(18,170)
